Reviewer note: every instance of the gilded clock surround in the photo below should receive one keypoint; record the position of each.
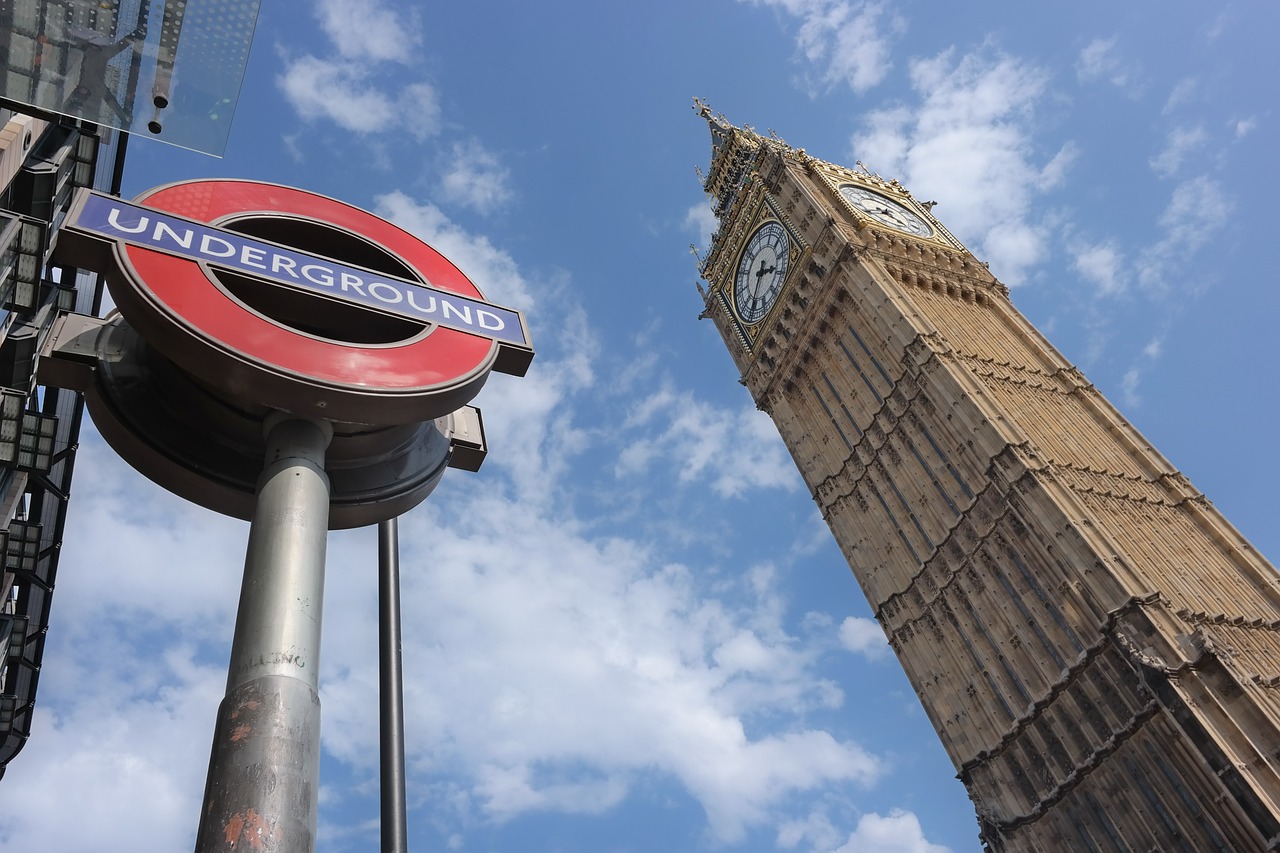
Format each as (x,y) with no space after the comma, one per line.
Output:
(1097,647)
(756,287)
(760,211)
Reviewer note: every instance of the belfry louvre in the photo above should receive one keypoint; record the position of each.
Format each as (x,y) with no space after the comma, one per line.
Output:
(1097,647)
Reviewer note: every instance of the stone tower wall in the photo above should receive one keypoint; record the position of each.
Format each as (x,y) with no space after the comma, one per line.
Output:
(1098,649)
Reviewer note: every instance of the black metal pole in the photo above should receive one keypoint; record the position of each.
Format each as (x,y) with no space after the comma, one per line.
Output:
(391,692)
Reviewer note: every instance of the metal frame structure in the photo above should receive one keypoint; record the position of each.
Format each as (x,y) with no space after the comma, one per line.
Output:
(43,159)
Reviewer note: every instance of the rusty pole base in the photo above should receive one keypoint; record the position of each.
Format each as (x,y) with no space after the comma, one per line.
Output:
(261,793)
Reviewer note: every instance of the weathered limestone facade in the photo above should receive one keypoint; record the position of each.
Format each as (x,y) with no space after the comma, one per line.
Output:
(1097,647)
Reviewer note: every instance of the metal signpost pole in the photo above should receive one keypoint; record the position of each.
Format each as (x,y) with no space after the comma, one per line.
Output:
(264,772)
(395,833)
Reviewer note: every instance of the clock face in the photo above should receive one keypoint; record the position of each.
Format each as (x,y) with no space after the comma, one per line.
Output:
(761,271)
(885,210)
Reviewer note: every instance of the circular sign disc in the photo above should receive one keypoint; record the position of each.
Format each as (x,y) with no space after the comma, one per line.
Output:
(190,316)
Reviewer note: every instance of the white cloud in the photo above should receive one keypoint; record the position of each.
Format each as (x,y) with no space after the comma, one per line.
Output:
(863,636)
(352,89)
(702,219)
(474,178)
(849,42)
(886,139)
(550,670)
(418,108)
(968,144)
(102,753)
(1129,387)
(735,450)
(367,31)
(1102,264)
(900,832)
(816,828)
(1197,206)
(344,93)
(1100,60)
(1181,142)
(318,89)
(1183,91)
(1243,127)
(1054,173)
(1224,21)
(851,39)
(1197,210)
(1132,378)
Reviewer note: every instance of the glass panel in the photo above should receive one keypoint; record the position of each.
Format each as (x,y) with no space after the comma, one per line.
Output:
(169,69)
(23,550)
(10,228)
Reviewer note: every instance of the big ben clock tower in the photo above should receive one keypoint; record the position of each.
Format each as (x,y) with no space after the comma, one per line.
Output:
(1097,647)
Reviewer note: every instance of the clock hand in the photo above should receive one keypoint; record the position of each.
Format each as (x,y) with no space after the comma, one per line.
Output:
(895,215)
(760,274)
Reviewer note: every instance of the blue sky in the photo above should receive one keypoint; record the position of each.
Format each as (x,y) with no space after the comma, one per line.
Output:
(631,630)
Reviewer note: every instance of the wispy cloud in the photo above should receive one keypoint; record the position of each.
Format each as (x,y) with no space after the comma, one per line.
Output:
(1183,92)
(863,636)
(1102,61)
(734,449)
(1180,144)
(846,42)
(701,219)
(345,93)
(899,832)
(350,87)
(1103,265)
(368,30)
(475,178)
(1243,127)
(1198,209)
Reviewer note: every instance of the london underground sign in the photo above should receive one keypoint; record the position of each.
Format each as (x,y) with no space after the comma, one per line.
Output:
(242,301)
(288,359)
(148,228)
(296,301)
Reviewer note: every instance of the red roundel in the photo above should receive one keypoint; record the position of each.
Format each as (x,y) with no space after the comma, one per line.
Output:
(180,307)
